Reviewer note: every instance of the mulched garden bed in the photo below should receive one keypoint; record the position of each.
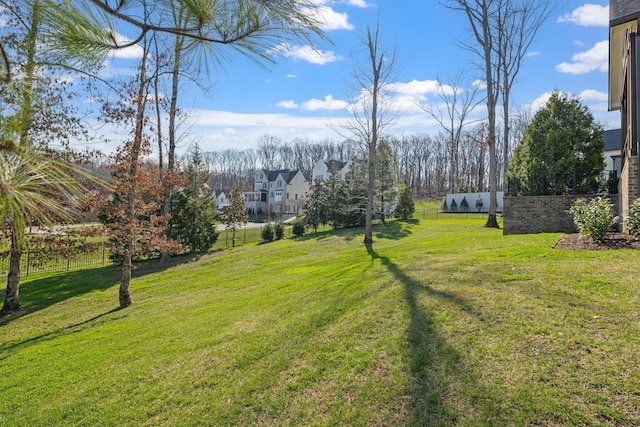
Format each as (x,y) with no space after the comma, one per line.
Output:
(612,241)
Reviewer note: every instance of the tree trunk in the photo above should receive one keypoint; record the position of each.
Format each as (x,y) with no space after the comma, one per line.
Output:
(12,296)
(492,218)
(124,293)
(130,214)
(29,71)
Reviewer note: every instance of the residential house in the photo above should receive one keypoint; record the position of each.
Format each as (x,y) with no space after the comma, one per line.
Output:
(624,74)
(281,191)
(221,198)
(323,169)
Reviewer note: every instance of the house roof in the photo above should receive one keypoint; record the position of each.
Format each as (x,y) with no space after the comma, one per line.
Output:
(612,139)
(219,192)
(287,174)
(335,165)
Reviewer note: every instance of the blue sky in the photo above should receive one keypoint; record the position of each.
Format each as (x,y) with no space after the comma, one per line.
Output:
(309,88)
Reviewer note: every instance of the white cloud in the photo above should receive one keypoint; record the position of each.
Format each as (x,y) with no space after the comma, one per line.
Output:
(479,84)
(305,53)
(292,76)
(405,104)
(328,103)
(289,104)
(593,95)
(418,87)
(596,58)
(589,15)
(539,102)
(219,130)
(358,3)
(132,52)
(330,20)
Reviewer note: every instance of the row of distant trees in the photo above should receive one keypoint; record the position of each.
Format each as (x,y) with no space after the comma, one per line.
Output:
(424,161)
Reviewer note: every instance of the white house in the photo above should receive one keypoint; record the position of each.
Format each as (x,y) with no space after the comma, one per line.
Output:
(221,199)
(323,169)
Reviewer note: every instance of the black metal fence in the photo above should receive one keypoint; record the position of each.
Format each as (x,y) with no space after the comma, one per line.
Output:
(570,184)
(48,261)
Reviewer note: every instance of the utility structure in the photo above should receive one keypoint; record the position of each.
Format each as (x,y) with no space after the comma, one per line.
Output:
(624,93)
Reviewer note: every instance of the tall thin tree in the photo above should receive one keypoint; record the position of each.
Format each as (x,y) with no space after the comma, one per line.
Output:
(371,113)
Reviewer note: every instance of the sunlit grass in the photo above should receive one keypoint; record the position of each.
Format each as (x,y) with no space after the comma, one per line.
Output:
(443,322)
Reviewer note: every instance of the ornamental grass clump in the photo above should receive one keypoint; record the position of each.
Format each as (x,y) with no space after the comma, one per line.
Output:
(594,218)
(633,220)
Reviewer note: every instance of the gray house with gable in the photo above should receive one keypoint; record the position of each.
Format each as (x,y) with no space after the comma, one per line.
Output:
(281,191)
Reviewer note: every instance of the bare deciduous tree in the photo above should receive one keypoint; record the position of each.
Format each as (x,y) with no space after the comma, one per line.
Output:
(503,30)
(452,114)
(371,114)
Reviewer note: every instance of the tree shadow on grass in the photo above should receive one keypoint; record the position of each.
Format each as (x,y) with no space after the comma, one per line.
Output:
(5,349)
(430,354)
(392,230)
(40,293)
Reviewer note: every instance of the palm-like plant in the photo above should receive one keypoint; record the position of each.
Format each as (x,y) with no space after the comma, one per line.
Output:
(34,190)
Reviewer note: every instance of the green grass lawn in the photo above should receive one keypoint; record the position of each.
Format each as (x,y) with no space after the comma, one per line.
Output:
(444,322)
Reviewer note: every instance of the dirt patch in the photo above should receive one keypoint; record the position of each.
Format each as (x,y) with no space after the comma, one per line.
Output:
(576,241)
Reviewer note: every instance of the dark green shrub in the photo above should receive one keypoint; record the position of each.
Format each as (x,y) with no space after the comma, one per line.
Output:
(267,233)
(298,228)
(279,231)
(454,205)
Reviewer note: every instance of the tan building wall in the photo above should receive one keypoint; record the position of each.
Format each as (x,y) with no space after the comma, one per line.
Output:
(628,187)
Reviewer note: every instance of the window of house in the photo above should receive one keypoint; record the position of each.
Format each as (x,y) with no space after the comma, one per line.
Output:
(279,183)
(287,196)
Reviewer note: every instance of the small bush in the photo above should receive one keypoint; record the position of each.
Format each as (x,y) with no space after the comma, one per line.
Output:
(595,218)
(444,206)
(633,220)
(279,231)
(298,228)
(267,233)
(454,205)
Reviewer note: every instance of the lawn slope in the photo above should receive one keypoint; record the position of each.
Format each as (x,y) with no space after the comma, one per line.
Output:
(443,322)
